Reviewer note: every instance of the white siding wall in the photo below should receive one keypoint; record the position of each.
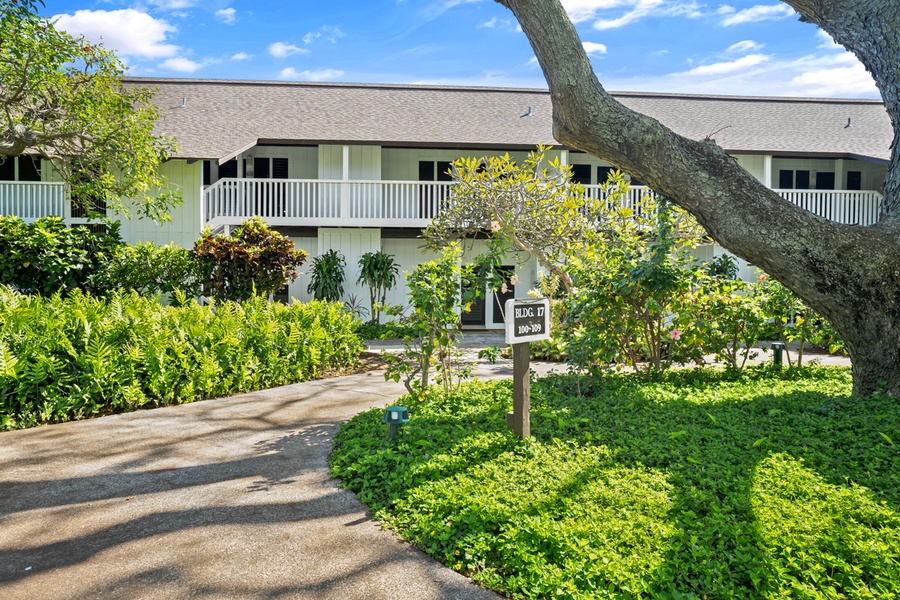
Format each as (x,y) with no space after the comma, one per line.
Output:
(184,227)
(297,289)
(754,163)
(331,162)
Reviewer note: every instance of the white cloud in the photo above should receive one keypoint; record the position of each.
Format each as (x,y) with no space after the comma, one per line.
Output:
(317,75)
(585,10)
(720,68)
(760,12)
(490,24)
(594,48)
(282,50)
(242,56)
(182,65)
(744,46)
(325,32)
(226,15)
(172,4)
(828,74)
(310,37)
(438,7)
(647,8)
(128,32)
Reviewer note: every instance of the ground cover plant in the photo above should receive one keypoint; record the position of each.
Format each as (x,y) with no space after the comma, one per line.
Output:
(699,484)
(81,356)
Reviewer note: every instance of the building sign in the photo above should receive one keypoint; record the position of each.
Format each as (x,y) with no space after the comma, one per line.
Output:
(527,320)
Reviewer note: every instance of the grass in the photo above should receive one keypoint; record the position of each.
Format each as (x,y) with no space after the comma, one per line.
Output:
(700,485)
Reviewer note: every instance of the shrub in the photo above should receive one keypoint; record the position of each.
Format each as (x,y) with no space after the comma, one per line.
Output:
(71,358)
(150,269)
(252,260)
(46,257)
(327,278)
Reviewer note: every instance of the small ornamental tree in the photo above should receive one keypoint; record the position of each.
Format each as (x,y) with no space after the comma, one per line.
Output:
(252,260)
(432,323)
(377,270)
(62,98)
(533,208)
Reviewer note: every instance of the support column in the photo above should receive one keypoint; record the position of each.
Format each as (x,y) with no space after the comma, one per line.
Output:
(345,188)
(767,171)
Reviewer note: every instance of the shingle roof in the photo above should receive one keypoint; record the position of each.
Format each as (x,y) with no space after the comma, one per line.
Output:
(218,117)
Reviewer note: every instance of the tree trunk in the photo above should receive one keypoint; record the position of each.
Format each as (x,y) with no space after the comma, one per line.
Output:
(849,274)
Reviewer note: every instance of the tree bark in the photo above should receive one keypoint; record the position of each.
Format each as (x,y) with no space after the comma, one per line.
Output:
(849,274)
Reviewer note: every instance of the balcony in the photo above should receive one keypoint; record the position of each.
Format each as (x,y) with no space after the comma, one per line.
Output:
(30,200)
(323,203)
(334,203)
(337,203)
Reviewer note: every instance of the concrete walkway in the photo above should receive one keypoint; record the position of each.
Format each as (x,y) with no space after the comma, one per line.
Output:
(225,498)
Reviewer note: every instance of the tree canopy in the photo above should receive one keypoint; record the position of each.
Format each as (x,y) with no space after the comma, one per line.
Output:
(847,273)
(62,98)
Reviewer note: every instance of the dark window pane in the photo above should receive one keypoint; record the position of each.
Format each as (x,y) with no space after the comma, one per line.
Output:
(443,171)
(261,167)
(8,169)
(207,172)
(228,169)
(854,180)
(785,179)
(802,181)
(29,169)
(824,180)
(581,174)
(279,168)
(635,182)
(603,174)
(426,170)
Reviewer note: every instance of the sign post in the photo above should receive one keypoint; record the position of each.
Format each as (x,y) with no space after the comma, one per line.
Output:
(526,321)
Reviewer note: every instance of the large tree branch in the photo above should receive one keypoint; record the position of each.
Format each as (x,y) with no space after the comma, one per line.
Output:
(847,273)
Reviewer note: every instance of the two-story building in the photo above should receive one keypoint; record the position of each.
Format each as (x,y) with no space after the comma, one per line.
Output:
(359,168)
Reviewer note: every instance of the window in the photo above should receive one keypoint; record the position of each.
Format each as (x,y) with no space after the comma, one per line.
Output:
(790,180)
(603,174)
(431,196)
(28,169)
(228,169)
(854,180)
(785,179)
(581,174)
(8,170)
(824,180)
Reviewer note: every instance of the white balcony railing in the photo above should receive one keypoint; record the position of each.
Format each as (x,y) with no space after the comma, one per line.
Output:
(313,202)
(324,202)
(31,200)
(842,206)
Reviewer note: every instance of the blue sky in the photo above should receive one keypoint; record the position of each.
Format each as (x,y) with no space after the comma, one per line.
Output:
(755,47)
